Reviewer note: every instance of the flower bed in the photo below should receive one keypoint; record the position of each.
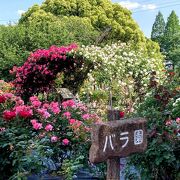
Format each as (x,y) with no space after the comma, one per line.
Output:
(30,133)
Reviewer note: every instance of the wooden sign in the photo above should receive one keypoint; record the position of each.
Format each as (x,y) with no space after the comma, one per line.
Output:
(65,93)
(117,139)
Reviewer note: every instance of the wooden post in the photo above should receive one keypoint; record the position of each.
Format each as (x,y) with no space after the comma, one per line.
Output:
(113,169)
(113,165)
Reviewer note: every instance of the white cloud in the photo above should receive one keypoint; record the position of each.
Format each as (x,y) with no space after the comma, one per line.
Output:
(20,12)
(136,5)
(149,6)
(129,4)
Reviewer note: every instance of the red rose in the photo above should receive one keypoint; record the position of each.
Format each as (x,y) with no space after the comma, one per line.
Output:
(8,115)
(25,114)
(121,114)
(2,99)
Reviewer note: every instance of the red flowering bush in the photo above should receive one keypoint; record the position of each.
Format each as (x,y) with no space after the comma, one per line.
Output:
(41,68)
(62,129)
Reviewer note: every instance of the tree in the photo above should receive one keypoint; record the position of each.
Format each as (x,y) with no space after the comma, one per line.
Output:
(158,28)
(168,36)
(172,30)
(172,25)
(102,15)
(174,50)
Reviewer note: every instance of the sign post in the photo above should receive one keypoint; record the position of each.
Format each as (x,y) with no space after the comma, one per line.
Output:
(114,139)
(113,164)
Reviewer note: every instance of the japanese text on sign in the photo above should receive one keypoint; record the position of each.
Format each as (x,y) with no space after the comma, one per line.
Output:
(118,138)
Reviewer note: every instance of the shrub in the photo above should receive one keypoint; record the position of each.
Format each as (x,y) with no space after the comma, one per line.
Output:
(121,69)
(161,109)
(31,134)
(39,72)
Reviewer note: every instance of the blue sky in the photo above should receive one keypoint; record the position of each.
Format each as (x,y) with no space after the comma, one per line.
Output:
(143,11)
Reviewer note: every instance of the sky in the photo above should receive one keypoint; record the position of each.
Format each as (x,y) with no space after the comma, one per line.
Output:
(143,11)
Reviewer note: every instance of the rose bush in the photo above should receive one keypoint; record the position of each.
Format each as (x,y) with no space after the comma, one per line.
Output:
(121,69)
(41,68)
(161,108)
(31,132)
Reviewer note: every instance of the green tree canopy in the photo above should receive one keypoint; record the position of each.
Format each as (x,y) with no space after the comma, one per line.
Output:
(102,15)
(158,28)
(172,25)
(169,38)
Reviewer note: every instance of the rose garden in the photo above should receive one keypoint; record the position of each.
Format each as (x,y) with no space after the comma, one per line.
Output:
(117,69)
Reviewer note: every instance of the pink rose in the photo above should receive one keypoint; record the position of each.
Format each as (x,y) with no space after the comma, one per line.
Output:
(65,141)
(33,121)
(49,127)
(8,95)
(37,126)
(168,122)
(85,116)
(45,105)
(20,102)
(54,138)
(55,107)
(44,113)
(72,121)
(78,123)
(33,98)
(67,115)
(68,103)
(25,114)
(36,103)
(24,111)
(178,120)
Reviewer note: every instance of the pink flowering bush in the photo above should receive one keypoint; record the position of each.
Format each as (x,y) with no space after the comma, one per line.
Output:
(39,71)
(63,130)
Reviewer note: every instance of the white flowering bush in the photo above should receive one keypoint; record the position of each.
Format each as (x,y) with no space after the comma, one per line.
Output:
(122,69)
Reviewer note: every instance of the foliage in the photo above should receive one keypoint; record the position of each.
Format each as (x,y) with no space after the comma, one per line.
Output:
(169,38)
(18,41)
(41,68)
(122,70)
(101,14)
(172,30)
(31,134)
(172,25)
(158,28)
(12,51)
(162,111)
(64,22)
(70,166)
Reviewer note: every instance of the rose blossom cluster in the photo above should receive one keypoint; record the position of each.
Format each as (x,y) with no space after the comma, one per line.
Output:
(50,118)
(19,109)
(41,68)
